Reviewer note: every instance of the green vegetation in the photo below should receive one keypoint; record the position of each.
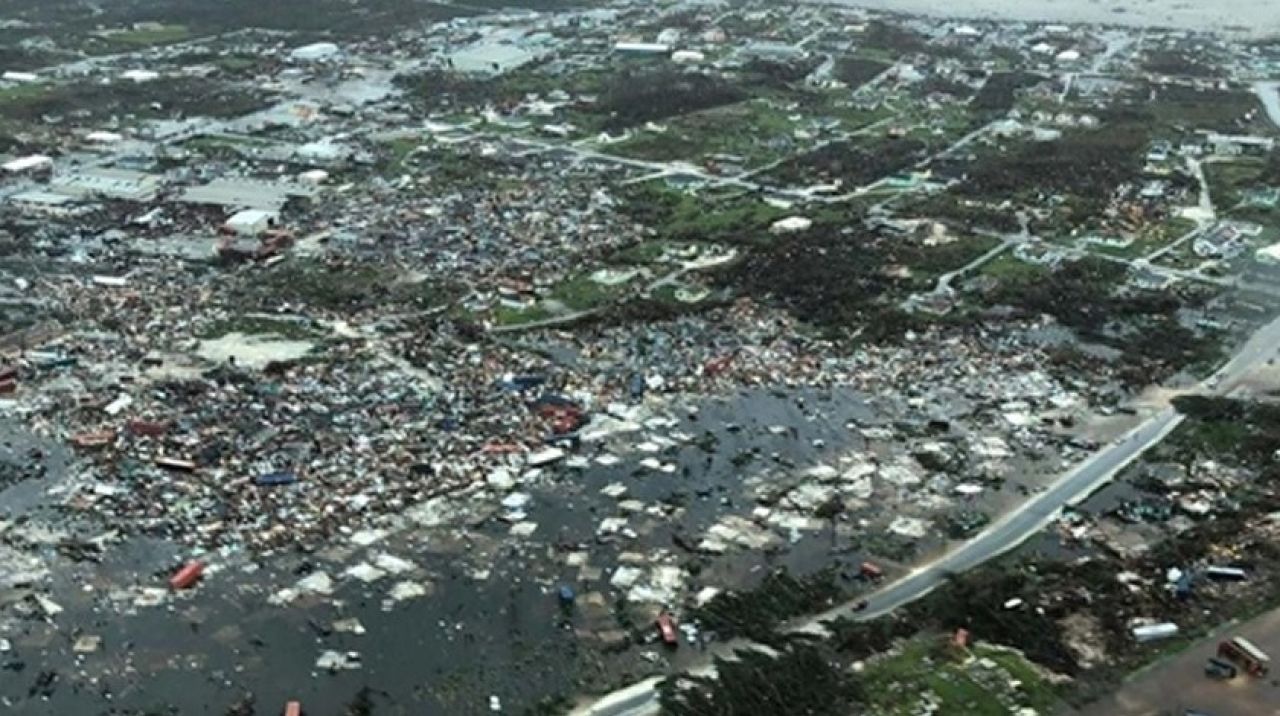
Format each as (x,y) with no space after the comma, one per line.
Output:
(800,680)
(887,39)
(1143,325)
(397,151)
(651,95)
(678,216)
(24,93)
(1236,431)
(145,35)
(1180,108)
(757,131)
(928,262)
(1152,237)
(857,71)
(1232,183)
(1073,617)
(1178,63)
(963,682)
(507,316)
(756,613)
(1000,92)
(219,142)
(1084,164)
(964,213)
(159,98)
(1009,268)
(581,293)
(852,164)
(341,287)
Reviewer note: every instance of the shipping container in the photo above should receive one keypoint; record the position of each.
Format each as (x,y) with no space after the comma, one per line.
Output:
(173,463)
(187,576)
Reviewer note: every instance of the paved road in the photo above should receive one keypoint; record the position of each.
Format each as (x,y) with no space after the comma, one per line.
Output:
(641,699)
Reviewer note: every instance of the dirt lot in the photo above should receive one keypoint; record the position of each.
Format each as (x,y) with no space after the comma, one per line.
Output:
(1179,683)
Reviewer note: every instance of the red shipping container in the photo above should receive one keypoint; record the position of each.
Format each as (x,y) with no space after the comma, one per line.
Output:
(188,575)
(8,386)
(149,428)
(293,708)
(7,372)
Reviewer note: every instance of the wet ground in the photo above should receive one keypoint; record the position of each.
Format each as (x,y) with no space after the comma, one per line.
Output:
(1178,683)
(489,624)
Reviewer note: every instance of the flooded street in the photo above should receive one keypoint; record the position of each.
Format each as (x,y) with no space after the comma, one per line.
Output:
(487,620)
(463,605)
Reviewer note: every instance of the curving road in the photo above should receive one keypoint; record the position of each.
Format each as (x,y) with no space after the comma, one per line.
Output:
(641,699)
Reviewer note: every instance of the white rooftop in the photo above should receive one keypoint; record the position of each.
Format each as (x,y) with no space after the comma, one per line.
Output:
(314,51)
(23,164)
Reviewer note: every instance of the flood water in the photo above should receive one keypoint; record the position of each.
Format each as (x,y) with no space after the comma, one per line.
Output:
(490,625)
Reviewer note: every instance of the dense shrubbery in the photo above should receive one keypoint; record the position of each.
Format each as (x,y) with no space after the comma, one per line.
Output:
(1083,163)
(854,165)
(1173,62)
(187,96)
(1000,91)
(800,681)
(651,95)
(855,71)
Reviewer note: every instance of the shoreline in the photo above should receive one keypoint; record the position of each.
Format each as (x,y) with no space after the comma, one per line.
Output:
(1240,18)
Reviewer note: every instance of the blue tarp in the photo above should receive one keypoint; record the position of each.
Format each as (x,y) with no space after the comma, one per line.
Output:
(274,479)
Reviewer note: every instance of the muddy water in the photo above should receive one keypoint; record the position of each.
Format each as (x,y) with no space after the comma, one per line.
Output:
(504,635)
(473,636)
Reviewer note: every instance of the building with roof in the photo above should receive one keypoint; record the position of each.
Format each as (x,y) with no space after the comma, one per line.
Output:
(28,164)
(45,203)
(642,48)
(246,194)
(315,52)
(251,222)
(108,183)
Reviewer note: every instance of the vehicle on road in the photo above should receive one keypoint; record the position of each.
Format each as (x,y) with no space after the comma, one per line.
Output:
(1245,653)
(667,630)
(869,570)
(1216,668)
(861,605)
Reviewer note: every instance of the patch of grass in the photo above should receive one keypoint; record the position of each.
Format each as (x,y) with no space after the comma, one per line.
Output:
(856,71)
(1228,180)
(342,288)
(929,262)
(24,93)
(757,131)
(507,316)
(1007,267)
(172,95)
(147,36)
(1152,238)
(977,683)
(581,293)
(1178,107)
(678,216)
(235,63)
(644,253)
